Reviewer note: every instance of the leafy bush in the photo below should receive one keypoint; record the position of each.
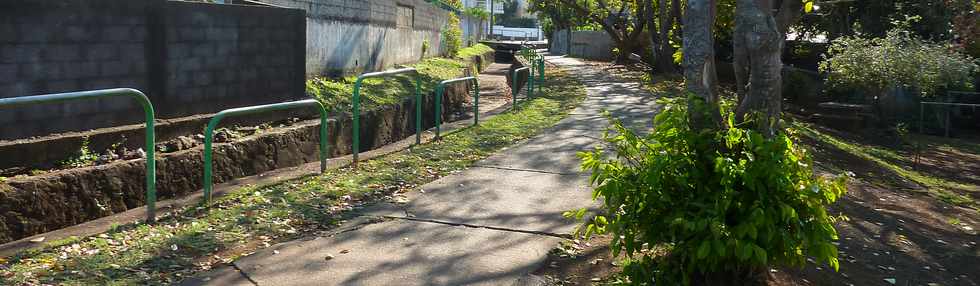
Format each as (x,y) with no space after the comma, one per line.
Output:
(453,35)
(474,50)
(724,202)
(900,59)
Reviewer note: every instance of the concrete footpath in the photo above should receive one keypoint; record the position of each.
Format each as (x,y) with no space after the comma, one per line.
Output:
(488,225)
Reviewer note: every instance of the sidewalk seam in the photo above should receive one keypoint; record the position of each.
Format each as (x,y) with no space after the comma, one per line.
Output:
(242,272)
(535,232)
(525,170)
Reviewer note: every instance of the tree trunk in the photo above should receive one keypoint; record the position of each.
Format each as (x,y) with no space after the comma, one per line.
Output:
(699,65)
(758,44)
(654,37)
(625,48)
(665,63)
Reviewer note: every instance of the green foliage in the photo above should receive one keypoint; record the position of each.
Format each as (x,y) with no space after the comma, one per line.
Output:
(425,47)
(453,35)
(335,94)
(82,158)
(477,12)
(474,50)
(900,59)
(721,201)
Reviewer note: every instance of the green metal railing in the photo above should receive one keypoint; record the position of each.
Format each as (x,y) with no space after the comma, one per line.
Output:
(541,73)
(151,174)
(514,89)
(209,134)
(441,88)
(356,100)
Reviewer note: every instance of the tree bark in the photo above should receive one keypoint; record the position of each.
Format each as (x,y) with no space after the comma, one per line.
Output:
(667,19)
(758,41)
(699,65)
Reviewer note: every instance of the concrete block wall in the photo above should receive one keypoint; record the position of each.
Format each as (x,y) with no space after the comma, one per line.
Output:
(348,37)
(596,45)
(189,58)
(224,56)
(62,46)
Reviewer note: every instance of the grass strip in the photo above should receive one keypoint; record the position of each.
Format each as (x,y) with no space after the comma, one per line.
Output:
(938,187)
(335,93)
(195,239)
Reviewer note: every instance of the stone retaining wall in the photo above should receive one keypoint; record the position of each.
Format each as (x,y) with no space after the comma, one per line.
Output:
(42,203)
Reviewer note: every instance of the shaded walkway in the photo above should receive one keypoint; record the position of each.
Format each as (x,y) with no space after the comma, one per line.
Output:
(487,225)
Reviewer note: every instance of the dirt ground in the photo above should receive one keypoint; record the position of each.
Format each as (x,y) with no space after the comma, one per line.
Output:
(897,234)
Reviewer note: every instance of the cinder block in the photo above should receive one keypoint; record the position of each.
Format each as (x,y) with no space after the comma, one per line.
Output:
(8,33)
(137,67)
(29,53)
(35,33)
(215,92)
(203,78)
(99,52)
(178,50)
(63,86)
(70,52)
(138,33)
(249,73)
(202,50)
(114,68)
(181,79)
(78,33)
(99,83)
(80,69)
(191,34)
(226,48)
(132,52)
(116,33)
(190,64)
(40,71)
(227,76)
(216,62)
(8,73)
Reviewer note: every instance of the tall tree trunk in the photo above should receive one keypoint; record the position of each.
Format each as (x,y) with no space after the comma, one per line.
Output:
(699,65)
(758,42)
(654,37)
(665,63)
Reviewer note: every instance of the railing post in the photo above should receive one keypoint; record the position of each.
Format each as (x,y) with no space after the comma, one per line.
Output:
(356,103)
(418,111)
(515,90)
(476,103)
(150,117)
(213,123)
(439,90)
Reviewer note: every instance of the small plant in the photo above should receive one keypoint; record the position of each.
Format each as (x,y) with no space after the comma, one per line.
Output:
(425,48)
(453,35)
(725,204)
(953,221)
(84,157)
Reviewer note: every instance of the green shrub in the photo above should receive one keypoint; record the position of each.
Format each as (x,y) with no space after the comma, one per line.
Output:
(453,35)
(900,59)
(724,202)
(475,50)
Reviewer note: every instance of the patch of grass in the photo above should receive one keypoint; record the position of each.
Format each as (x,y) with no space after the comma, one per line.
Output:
(888,158)
(474,50)
(194,239)
(83,157)
(376,92)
